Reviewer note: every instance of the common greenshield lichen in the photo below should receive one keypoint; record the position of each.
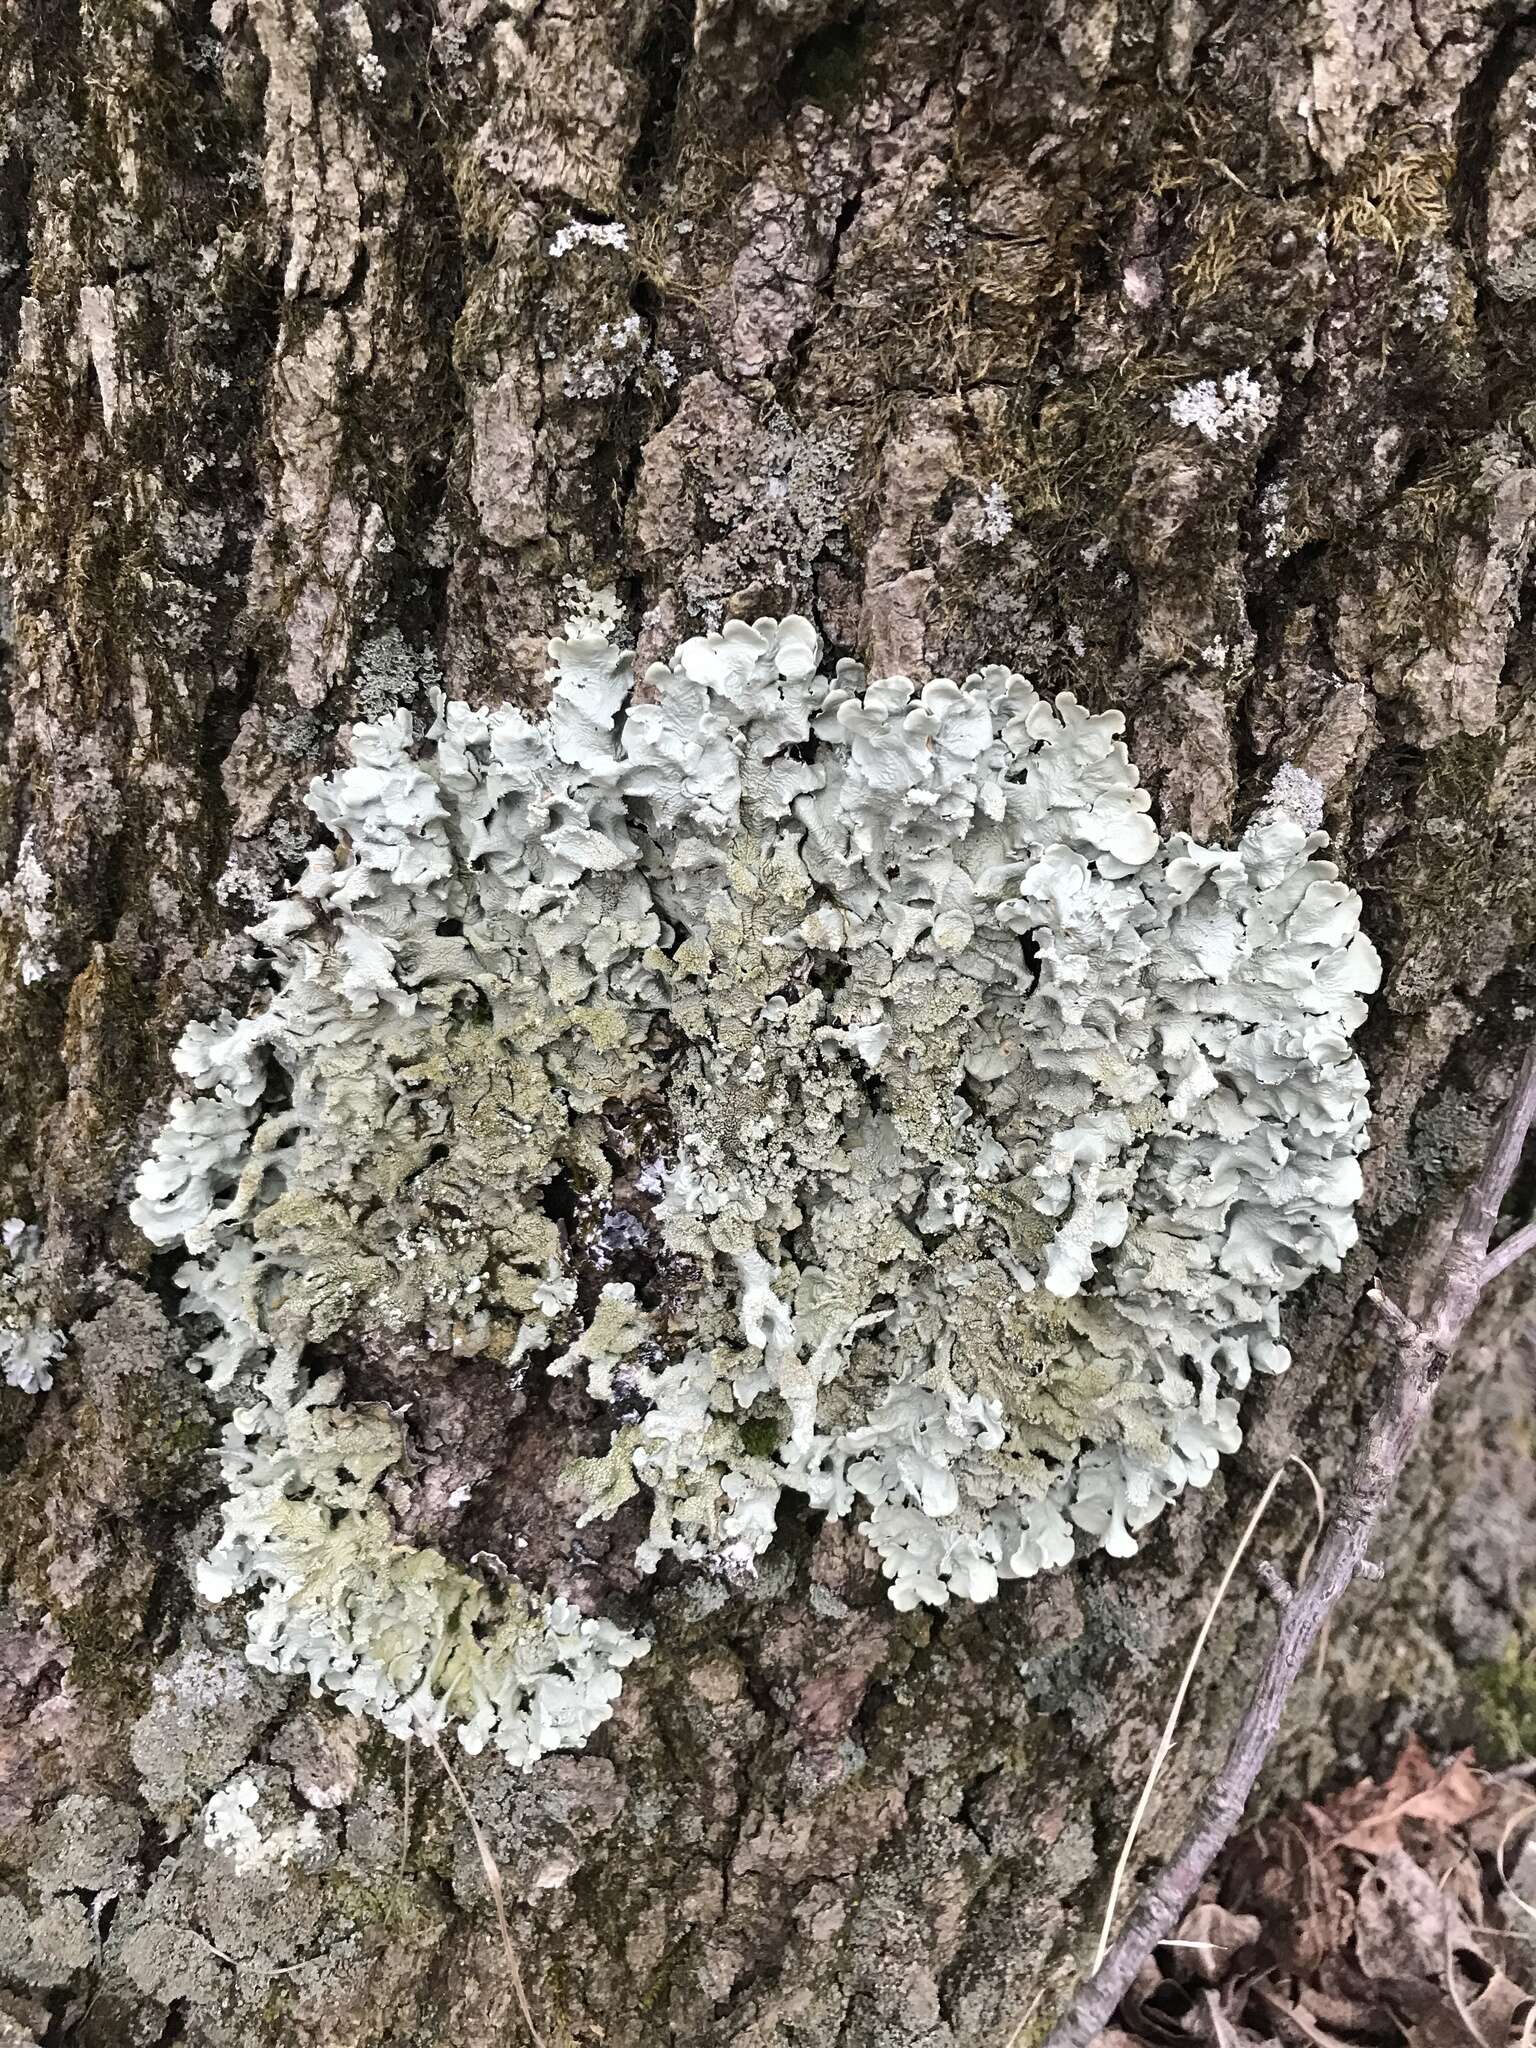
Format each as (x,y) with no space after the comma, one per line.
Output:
(969,1134)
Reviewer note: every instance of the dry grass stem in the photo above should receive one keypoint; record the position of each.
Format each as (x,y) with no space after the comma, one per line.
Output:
(493,1883)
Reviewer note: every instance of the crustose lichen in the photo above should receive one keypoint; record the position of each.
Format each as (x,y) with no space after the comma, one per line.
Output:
(976,1132)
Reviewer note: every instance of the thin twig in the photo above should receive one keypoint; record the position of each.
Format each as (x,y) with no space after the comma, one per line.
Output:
(1403,1325)
(1403,1401)
(1170,1726)
(1524,1904)
(492,1871)
(1274,1581)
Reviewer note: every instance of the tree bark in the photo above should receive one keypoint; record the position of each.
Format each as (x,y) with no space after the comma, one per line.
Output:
(1180,354)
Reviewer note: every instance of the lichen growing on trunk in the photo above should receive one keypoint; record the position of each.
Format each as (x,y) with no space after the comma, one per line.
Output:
(901,318)
(998,1130)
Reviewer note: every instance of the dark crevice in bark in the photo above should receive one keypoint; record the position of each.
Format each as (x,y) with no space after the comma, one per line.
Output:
(663,61)
(824,65)
(1502,328)
(1205,51)
(1474,127)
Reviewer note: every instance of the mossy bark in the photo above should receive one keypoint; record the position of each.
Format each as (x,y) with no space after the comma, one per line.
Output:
(309,407)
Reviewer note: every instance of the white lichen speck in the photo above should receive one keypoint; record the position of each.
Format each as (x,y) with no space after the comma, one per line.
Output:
(994,516)
(25,899)
(1237,408)
(599,234)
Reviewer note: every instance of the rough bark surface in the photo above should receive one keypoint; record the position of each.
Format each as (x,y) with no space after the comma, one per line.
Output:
(1180,351)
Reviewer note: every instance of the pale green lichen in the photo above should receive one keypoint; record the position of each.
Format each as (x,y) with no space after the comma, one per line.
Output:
(966,1135)
(29,1343)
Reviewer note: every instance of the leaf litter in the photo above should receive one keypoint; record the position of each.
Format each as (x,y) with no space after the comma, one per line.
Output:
(1395,1914)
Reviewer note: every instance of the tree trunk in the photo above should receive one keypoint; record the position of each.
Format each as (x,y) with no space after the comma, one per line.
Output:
(1176,352)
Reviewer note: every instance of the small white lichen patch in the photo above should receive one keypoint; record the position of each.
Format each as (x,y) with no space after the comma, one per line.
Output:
(994,519)
(231,1826)
(1237,408)
(615,350)
(591,614)
(29,1344)
(600,234)
(1298,793)
(930,1138)
(25,898)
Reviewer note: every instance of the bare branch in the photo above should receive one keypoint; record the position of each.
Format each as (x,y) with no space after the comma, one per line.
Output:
(1405,1326)
(1504,1255)
(1402,1403)
(1481,1211)
(1464,1274)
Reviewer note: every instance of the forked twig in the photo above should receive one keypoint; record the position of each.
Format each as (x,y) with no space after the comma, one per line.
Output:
(1403,1401)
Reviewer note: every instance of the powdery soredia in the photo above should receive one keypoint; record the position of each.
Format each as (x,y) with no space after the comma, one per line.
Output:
(967,1135)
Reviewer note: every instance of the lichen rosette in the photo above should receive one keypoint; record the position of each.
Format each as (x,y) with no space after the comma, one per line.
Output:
(963,1137)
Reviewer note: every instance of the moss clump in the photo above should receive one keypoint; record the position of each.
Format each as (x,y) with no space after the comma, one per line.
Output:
(1469,840)
(1501,1705)
(1394,197)
(760,1436)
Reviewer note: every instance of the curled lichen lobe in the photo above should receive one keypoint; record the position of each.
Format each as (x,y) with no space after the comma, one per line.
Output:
(840,1081)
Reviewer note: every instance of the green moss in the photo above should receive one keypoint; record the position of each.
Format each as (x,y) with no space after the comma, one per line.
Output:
(390,1902)
(1393,196)
(1501,1704)
(108,1651)
(760,1436)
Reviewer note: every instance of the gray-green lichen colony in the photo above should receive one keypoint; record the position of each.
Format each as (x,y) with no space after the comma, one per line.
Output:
(29,1344)
(968,1134)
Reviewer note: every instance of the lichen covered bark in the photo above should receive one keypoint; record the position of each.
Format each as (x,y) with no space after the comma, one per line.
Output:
(1176,356)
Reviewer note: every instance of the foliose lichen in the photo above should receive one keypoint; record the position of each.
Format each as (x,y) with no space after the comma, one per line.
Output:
(964,1138)
(29,1344)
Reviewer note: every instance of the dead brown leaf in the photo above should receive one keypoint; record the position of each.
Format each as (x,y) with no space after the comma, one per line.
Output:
(1339,1995)
(1207,1943)
(1281,1873)
(1296,2021)
(1446,1797)
(1493,2019)
(1146,2007)
(1508,1816)
(1218,2027)
(1404,1921)
(1378,1918)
